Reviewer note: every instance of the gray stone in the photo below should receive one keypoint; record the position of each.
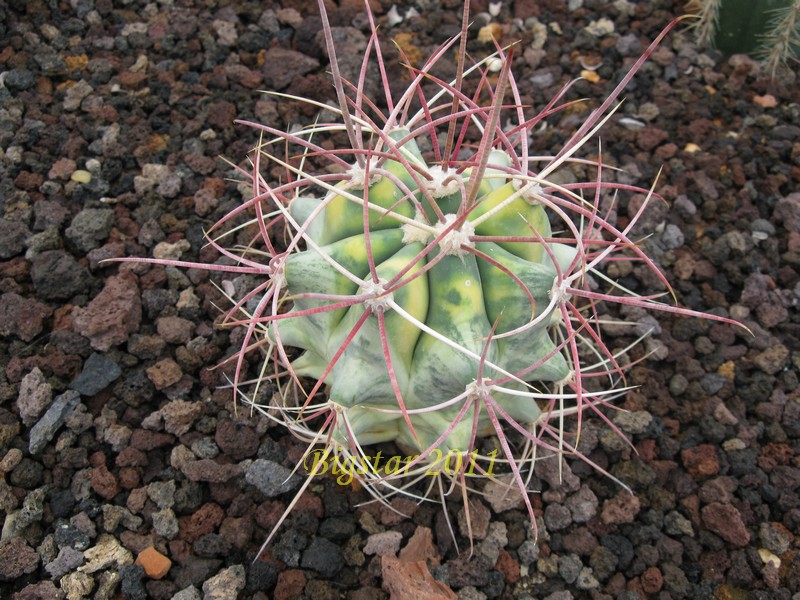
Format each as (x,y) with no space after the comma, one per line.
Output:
(270,478)
(68,559)
(676,524)
(323,556)
(53,419)
(131,584)
(98,373)
(635,422)
(528,552)
(774,537)
(89,228)
(12,238)
(165,523)
(557,517)
(31,512)
(114,515)
(569,567)
(162,493)
(189,593)
(582,504)
(57,276)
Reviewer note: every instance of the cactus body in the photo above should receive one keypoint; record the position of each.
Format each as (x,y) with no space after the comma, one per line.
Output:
(452,291)
(439,295)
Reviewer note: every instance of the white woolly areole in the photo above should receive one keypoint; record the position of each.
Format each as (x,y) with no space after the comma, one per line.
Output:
(437,186)
(479,389)
(412,233)
(531,191)
(380,301)
(560,291)
(358,176)
(451,243)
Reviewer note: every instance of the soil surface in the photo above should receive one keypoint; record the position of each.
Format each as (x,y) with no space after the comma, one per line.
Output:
(126,472)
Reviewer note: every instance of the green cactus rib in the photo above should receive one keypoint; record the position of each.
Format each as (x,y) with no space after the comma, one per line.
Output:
(458,294)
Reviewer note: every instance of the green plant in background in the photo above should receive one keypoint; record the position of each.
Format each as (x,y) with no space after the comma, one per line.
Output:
(766,29)
(432,277)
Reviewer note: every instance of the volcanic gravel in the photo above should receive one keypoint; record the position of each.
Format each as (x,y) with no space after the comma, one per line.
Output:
(124,467)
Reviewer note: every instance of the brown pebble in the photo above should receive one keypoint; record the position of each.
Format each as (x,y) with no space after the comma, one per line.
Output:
(155,564)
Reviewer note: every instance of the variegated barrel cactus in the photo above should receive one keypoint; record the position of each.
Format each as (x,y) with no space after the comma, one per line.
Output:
(443,296)
(432,283)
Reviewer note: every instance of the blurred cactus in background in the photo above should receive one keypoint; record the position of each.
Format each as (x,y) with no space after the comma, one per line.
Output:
(765,29)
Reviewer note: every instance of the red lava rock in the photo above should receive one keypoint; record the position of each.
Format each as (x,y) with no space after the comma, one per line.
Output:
(97,459)
(179,550)
(22,317)
(223,493)
(311,503)
(205,520)
(131,80)
(268,513)
(210,471)
(401,509)
(29,181)
(477,522)
(725,521)
(411,581)
(290,585)
(237,530)
(16,559)
(667,151)
(649,137)
(787,211)
(508,566)
(771,313)
(175,330)
(652,580)
(17,269)
(164,373)
(719,489)
(701,461)
(236,440)
(112,315)
(635,586)
(420,548)
(221,114)
(205,201)
(145,440)
(647,450)
(622,508)
(714,565)
(180,415)
(200,164)
(104,483)
(128,478)
(282,66)
(131,457)
(580,541)
(104,252)
(62,169)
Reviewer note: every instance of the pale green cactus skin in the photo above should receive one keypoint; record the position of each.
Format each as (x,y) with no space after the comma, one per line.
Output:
(461,297)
